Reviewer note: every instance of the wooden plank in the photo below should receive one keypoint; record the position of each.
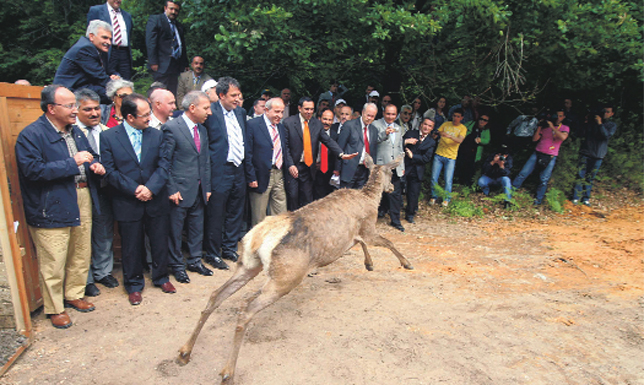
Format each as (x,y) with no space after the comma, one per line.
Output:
(11,90)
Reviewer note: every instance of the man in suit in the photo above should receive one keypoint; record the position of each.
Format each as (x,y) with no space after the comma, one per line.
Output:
(88,121)
(345,115)
(83,65)
(119,56)
(290,109)
(419,151)
(137,166)
(227,140)
(267,161)
(304,134)
(353,173)
(325,164)
(55,163)
(166,44)
(388,150)
(192,80)
(163,104)
(188,182)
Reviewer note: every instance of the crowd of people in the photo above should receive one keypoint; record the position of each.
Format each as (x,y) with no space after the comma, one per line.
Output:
(187,164)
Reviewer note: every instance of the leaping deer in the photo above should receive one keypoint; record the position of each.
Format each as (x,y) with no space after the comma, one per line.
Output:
(291,244)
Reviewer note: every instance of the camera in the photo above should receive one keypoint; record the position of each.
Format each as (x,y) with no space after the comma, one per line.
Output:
(502,158)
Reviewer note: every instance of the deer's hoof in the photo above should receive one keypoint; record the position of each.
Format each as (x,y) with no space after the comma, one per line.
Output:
(369,267)
(183,358)
(408,267)
(226,379)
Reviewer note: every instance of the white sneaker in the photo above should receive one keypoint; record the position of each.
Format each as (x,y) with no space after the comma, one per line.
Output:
(445,203)
(586,203)
(432,202)
(575,201)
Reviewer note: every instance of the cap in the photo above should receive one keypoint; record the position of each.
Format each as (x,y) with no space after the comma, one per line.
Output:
(340,101)
(374,93)
(210,83)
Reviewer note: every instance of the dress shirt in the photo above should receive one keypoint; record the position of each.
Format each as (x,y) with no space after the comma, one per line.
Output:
(234,133)
(174,28)
(95,132)
(302,125)
(191,125)
(133,134)
(269,127)
(66,134)
(122,26)
(362,154)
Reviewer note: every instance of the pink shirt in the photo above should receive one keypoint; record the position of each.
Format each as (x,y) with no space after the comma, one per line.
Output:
(548,144)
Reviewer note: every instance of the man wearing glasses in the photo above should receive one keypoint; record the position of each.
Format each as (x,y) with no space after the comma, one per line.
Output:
(55,163)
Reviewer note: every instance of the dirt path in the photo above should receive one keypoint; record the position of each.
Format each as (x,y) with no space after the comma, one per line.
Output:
(491,301)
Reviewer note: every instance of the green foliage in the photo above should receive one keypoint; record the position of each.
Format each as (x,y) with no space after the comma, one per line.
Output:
(555,199)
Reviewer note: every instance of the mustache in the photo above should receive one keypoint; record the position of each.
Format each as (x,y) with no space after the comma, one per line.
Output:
(94,117)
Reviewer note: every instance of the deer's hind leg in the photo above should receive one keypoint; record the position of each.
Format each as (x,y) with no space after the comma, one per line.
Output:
(379,240)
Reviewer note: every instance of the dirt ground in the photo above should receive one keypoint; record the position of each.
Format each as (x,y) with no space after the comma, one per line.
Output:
(498,300)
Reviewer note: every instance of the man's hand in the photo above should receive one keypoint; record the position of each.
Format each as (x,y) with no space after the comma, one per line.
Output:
(253,184)
(477,140)
(208,196)
(389,130)
(349,156)
(411,141)
(336,173)
(598,119)
(142,193)
(154,67)
(176,198)
(82,157)
(293,171)
(115,77)
(97,168)
(410,155)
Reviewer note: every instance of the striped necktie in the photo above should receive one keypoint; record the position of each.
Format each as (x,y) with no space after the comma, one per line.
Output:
(117,27)
(277,147)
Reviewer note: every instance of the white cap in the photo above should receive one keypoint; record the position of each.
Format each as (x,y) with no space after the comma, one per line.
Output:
(210,83)
(374,93)
(340,101)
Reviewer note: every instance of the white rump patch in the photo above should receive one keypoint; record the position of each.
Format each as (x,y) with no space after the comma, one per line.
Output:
(272,230)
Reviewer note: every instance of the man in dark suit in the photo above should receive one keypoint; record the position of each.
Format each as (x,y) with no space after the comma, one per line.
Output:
(325,164)
(419,150)
(353,173)
(188,183)
(304,135)
(166,46)
(83,65)
(119,57)
(136,163)
(267,161)
(192,80)
(227,137)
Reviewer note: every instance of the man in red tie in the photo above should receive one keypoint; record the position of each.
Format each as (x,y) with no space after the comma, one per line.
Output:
(268,161)
(325,163)
(186,141)
(361,137)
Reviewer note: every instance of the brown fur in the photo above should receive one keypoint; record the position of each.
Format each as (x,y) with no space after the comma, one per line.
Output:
(291,244)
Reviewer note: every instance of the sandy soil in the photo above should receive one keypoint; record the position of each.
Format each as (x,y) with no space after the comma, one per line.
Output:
(491,301)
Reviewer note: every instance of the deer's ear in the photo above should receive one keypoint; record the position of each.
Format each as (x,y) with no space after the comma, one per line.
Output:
(396,162)
(368,162)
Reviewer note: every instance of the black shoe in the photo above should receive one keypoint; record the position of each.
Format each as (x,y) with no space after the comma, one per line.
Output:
(410,219)
(108,281)
(200,268)
(181,276)
(507,205)
(381,214)
(216,262)
(91,290)
(230,255)
(397,226)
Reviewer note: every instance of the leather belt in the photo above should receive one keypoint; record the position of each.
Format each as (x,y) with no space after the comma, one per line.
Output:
(81,185)
(120,47)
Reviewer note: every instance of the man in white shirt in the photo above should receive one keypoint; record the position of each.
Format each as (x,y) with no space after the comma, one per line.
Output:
(163,104)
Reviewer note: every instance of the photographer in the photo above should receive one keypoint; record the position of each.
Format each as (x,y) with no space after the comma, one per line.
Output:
(550,134)
(496,172)
(595,134)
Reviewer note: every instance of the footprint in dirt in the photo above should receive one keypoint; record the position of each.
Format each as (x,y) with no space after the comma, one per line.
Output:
(168,368)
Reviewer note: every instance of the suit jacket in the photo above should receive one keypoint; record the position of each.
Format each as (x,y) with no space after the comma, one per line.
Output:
(259,152)
(101,12)
(351,140)
(188,167)
(186,84)
(296,143)
(125,173)
(82,66)
(389,149)
(218,141)
(47,175)
(423,153)
(158,39)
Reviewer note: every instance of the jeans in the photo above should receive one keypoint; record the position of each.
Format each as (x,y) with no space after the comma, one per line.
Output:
(544,176)
(437,166)
(588,168)
(486,182)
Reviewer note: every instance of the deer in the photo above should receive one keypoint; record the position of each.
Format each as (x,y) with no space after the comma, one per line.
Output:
(291,244)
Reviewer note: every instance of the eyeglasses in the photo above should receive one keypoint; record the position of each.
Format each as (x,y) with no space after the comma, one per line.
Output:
(145,115)
(122,95)
(485,120)
(70,106)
